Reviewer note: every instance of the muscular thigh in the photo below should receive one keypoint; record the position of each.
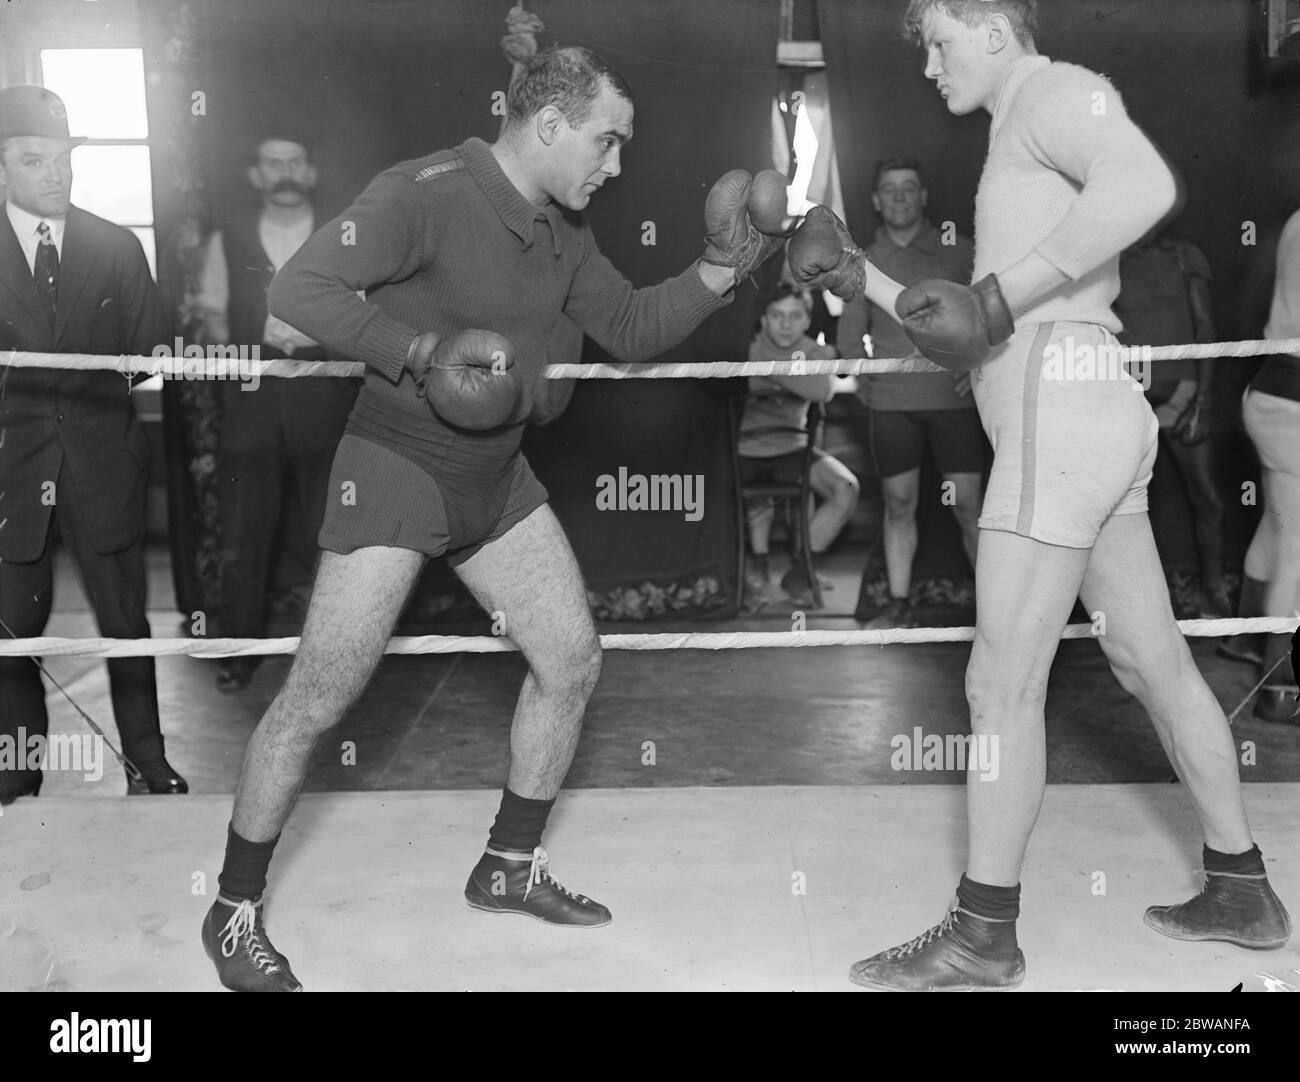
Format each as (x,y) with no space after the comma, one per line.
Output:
(1024,592)
(530,576)
(355,603)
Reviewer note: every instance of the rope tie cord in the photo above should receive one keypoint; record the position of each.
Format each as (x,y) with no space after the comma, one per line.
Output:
(224,366)
(457,644)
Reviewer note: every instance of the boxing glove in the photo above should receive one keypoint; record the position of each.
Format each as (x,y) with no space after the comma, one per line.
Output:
(823,255)
(955,325)
(468,379)
(767,205)
(730,237)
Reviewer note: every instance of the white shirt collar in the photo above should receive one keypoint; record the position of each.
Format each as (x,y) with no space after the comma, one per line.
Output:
(25,224)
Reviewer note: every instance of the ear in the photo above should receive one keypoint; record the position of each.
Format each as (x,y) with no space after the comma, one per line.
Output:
(875,202)
(1000,34)
(548,121)
(925,198)
(254,177)
(310,176)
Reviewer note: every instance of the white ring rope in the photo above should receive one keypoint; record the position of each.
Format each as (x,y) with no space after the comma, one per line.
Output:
(456,644)
(236,368)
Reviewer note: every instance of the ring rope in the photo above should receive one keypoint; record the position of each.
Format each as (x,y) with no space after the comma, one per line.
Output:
(475,644)
(233,368)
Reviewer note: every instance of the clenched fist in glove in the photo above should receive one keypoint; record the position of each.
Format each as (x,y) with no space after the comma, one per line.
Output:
(955,325)
(731,240)
(823,255)
(468,379)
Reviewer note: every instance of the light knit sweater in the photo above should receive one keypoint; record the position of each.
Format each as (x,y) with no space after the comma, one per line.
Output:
(1068,176)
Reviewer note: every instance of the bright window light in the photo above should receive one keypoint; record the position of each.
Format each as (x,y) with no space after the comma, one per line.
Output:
(102,88)
(113,182)
(805,151)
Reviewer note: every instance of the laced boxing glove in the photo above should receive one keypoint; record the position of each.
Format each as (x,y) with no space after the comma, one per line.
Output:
(730,237)
(823,255)
(468,379)
(955,325)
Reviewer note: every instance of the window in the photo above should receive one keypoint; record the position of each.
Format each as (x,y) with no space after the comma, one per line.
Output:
(103,90)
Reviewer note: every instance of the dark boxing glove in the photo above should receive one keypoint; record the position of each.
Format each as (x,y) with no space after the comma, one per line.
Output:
(823,255)
(468,379)
(730,237)
(955,325)
(767,205)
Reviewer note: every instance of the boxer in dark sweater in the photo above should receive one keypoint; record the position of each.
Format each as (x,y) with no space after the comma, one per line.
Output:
(467,259)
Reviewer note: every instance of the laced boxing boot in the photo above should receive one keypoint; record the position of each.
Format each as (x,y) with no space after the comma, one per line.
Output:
(516,883)
(245,959)
(962,953)
(1240,909)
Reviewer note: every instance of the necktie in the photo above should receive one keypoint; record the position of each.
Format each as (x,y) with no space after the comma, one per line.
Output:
(46,270)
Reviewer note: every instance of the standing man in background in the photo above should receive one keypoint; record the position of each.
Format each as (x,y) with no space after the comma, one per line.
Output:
(285,431)
(73,457)
(907,412)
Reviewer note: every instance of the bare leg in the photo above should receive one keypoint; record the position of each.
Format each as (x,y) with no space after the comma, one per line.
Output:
(968,495)
(1150,658)
(530,576)
(901,493)
(837,488)
(355,602)
(1197,464)
(1027,589)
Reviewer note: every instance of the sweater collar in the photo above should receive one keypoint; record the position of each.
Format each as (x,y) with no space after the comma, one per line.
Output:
(516,213)
(1015,77)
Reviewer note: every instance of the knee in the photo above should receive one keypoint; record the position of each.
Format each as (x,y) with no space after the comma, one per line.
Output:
(571,668)
(900,512)
(992,690)
(846,490)
(1135,667)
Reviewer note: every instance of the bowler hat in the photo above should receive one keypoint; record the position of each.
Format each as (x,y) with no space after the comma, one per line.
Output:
(33,110)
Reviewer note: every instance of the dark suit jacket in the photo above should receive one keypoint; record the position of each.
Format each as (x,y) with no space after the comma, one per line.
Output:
(107,304)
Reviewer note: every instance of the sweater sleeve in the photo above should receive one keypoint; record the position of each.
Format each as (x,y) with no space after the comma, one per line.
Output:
(635,324)
(1075,122)
(376,240)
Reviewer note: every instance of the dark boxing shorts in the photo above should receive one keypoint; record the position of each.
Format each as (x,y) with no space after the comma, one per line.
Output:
(394,502)
(898,437)
(777,470)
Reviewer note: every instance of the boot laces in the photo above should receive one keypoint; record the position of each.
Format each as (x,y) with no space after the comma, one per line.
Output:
(930,935)
(244,925)
(540,872)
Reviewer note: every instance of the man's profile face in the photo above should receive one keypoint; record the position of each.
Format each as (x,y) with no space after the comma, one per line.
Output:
(587,156)
(37,175)
(957,59)
(283,173)
(899,198)
(785,321)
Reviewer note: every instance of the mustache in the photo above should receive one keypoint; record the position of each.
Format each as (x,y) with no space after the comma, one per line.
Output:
(289,185)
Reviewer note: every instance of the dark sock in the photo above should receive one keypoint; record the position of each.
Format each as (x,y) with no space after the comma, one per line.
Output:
(243,875)
(984,900)
(1276,666)
(1251,602)
(519,823)
(1251,862)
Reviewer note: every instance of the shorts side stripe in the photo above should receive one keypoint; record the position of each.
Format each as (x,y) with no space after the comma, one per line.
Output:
(1029,429)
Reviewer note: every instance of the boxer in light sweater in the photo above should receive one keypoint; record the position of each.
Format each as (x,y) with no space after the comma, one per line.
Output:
(1069,182)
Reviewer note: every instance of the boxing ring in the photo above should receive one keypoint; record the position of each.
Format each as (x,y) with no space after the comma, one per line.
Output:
(107,894)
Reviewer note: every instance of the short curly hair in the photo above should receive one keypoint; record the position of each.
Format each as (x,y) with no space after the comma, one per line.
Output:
(567,77)
(1022,14)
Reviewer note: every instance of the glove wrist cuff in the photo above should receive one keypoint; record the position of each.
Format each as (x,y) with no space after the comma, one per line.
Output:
(1001,323)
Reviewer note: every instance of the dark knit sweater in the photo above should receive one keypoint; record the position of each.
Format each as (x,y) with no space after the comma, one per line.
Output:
(445,243)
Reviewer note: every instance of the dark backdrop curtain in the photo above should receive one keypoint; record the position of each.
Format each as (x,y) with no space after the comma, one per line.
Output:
(374,83)
(1184,68)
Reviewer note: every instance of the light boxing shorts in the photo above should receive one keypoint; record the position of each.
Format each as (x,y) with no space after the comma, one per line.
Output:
(1074,439)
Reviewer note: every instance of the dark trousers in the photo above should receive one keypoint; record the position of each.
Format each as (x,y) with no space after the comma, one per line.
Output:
(115,585)
(284,433)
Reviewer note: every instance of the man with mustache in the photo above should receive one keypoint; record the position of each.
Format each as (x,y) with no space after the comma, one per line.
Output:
(279,435)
